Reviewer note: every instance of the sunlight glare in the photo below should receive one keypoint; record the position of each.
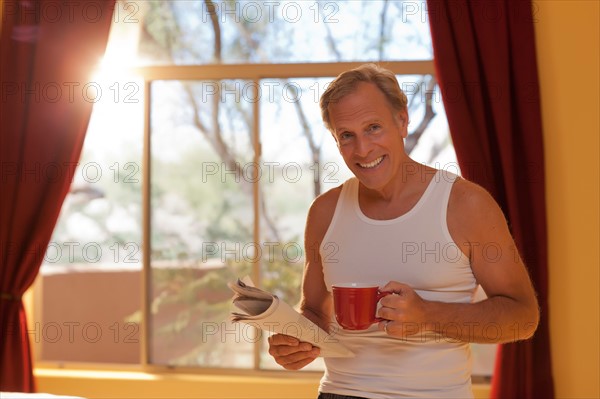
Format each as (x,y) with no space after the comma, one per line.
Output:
(121,53)
(117,116)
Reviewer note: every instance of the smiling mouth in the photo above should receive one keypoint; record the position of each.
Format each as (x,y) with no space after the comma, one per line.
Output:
(371,164)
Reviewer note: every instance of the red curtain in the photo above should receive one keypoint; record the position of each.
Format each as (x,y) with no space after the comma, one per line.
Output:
(48,50)
(486,67)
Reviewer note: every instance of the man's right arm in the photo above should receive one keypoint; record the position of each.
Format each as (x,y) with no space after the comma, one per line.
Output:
(316,302)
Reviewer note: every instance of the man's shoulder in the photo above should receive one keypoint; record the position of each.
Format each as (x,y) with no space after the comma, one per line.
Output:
(472,210)
(467,195)
(325,203)
(321,213)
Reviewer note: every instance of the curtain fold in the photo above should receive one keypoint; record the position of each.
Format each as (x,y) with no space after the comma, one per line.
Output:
(486,67)
(48,50)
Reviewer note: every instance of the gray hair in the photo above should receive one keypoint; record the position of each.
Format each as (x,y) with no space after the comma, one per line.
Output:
(347,82)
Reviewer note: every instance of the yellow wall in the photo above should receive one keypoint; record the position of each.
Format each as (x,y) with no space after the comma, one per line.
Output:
(568,39)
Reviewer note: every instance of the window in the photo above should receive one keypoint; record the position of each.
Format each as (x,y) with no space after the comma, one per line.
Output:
(200,168)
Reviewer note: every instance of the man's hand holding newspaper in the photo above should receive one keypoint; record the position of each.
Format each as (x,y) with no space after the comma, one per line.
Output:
(267,312)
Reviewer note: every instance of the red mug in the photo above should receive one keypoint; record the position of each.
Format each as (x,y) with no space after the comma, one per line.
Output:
(356,305)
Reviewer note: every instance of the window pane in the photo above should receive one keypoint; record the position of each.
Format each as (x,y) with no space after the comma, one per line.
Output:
(201,221)
(429,140)
(194,32)
(90,279)
(301,161)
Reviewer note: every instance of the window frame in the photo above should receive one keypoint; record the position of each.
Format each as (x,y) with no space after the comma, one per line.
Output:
(253,73)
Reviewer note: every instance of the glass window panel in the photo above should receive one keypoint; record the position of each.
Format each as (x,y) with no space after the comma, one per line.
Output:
(202,217)
(169,32)
(95,249)
(429,140)
(303,162)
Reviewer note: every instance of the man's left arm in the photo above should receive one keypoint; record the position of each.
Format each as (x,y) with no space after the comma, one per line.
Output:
(510,312)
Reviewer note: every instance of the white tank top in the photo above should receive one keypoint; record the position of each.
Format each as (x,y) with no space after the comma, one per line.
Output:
(416,249)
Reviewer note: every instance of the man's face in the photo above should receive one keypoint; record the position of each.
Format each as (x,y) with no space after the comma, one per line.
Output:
(369,135)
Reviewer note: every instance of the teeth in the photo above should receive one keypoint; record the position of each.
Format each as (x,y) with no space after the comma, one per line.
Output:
(371,164)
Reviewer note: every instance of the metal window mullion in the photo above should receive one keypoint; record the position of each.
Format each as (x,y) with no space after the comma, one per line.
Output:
(256,261)
(146,226)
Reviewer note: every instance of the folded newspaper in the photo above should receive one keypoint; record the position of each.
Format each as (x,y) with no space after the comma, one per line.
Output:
(266,311)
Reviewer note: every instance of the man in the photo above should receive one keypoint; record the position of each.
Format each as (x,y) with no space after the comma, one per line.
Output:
(428,236)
